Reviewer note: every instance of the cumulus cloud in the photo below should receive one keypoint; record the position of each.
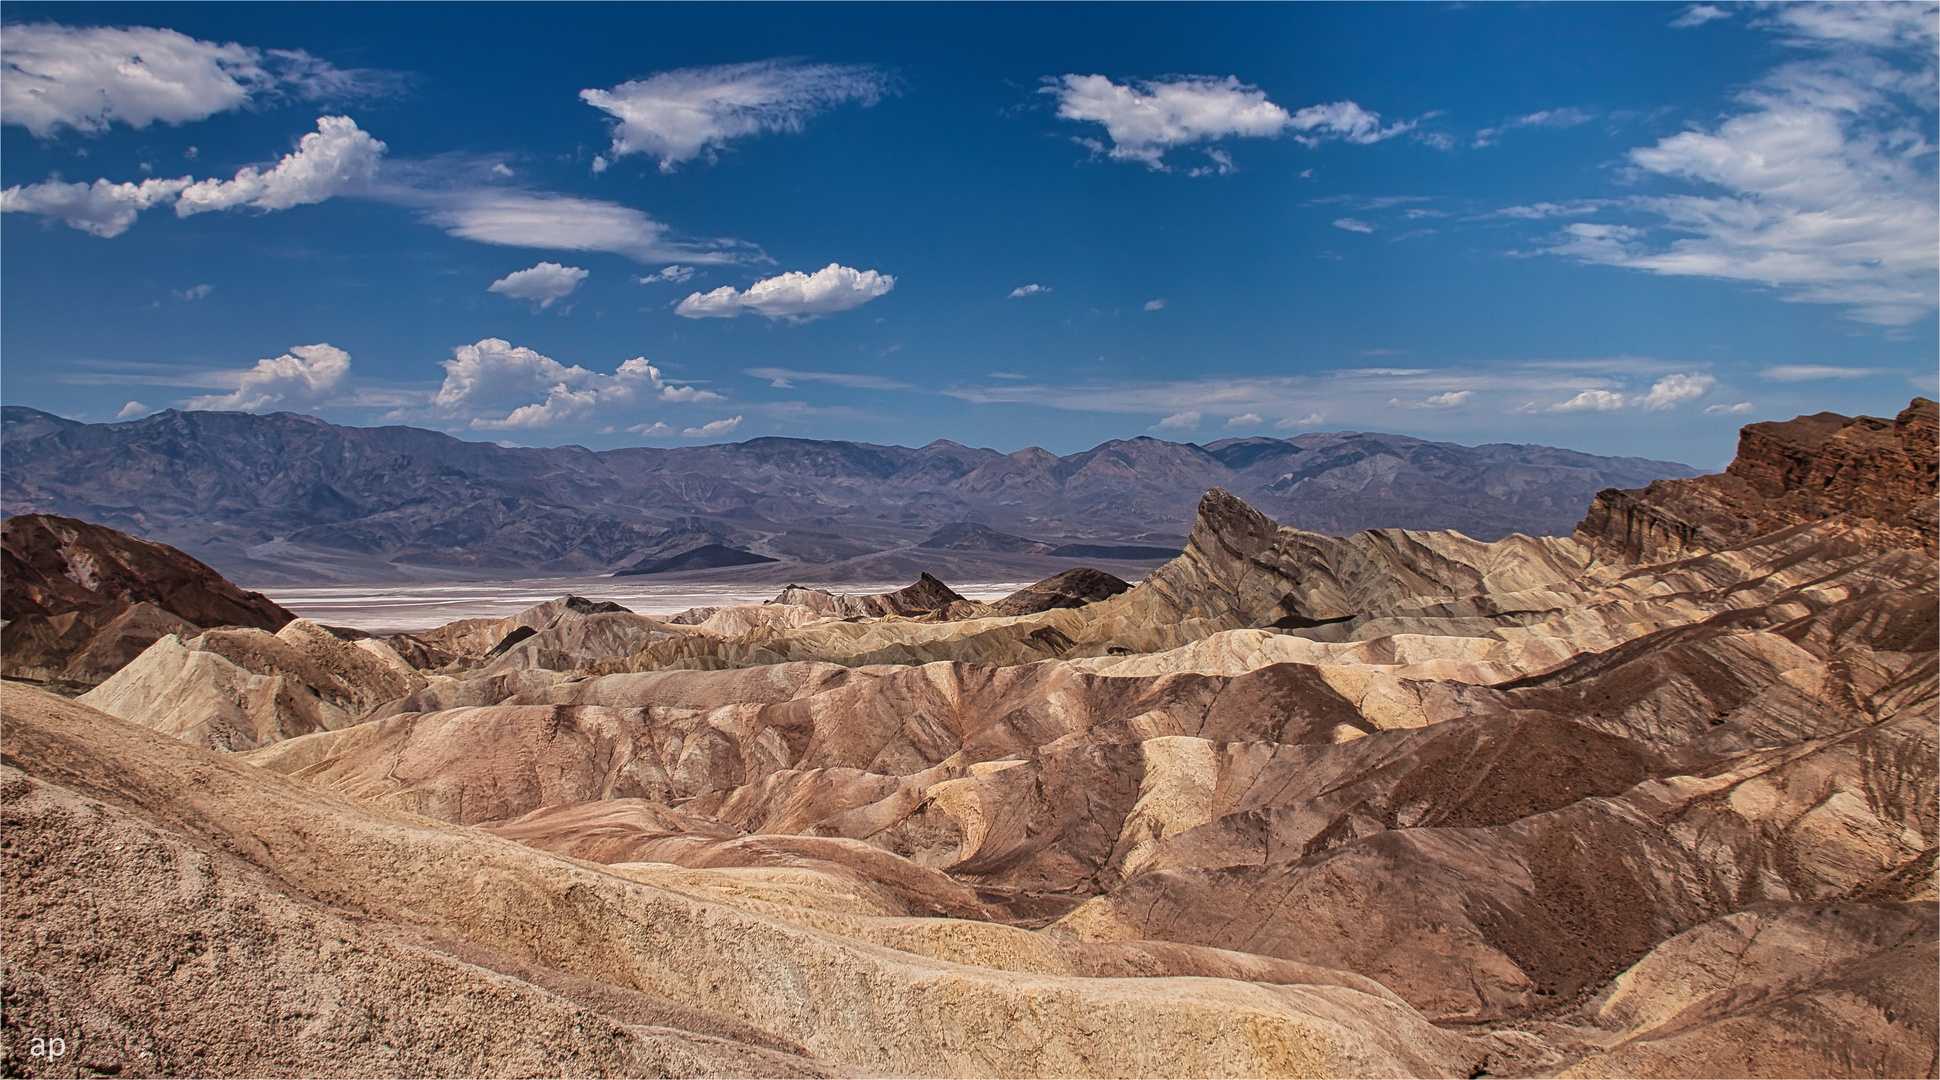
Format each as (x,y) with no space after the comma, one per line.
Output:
(1589,401)
(488,376)
(659,429)
(336,156)
(1154,305)
(1809,372)
(1343,120)
(87,78)
(793,295)
(328,161)
(1699,14)
(1728,410)
(304,377)
(712,428)
(1179,421)
(678,116)
(1245,420)
(1673,390)
(675,274)
(1447,400)
(1292,423)
(132,410)
(195,292)
(542,284)
(1028,290)
(1821,187)
(102,208)
(1145,119)
(1353,225)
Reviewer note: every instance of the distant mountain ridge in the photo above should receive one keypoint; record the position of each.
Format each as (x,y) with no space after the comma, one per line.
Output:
(288,497)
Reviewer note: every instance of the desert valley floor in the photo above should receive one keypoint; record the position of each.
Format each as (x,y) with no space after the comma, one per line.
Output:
(1657,799)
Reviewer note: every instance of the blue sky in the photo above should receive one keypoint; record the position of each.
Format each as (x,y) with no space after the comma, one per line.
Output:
(1623,228)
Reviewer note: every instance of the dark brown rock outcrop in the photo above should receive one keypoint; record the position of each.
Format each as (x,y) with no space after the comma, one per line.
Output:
(1073,588)
(1859,469)
(81,600)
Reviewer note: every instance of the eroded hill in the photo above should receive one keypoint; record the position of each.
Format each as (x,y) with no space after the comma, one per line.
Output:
(1655,800)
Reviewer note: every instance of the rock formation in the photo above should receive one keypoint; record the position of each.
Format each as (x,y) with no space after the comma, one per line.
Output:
(1396,803)
(82,600)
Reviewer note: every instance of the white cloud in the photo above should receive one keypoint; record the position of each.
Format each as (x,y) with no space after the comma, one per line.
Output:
(712,428)
(87,78)
(1699,14)
(304,377)
(542,284)
(1589,401)
(1673,390)
(1808,372)
(681,115)
(1310,420)
(333,158)
(102,208)
(1154,305)
(1179,421)
(1447,400)
(328,161)
(132,410)
(786,378)
(1567,208)
(1822,187)
(793,295)
(1145,119)
(675,274)
(536,219)
(1344,120)
(1245,420)
(1353,225)
(1728,410)
(1568,116)
(1028,290)
(195,292)
(493,374)
(659,429)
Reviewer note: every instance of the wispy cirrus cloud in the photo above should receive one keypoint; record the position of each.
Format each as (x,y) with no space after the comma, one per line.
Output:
(1567,116)
(786,378)
(1821,186)
(692,113)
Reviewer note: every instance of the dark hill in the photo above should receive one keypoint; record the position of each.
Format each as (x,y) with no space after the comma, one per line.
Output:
(708,557)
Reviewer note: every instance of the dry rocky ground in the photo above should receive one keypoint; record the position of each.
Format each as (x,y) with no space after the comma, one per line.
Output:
(1655,800)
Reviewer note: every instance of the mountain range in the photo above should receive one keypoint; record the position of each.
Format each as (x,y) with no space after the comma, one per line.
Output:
(287,499)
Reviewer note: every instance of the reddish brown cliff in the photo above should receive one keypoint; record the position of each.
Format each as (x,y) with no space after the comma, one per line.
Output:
(1878,473)
(81,600)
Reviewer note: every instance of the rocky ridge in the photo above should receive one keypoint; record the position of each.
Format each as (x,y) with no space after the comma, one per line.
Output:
(1396,803)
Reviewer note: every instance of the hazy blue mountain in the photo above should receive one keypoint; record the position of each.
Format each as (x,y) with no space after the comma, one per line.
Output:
(287,497)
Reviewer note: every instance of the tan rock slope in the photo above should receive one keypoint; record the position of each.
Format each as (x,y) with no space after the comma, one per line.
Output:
(1658,800)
